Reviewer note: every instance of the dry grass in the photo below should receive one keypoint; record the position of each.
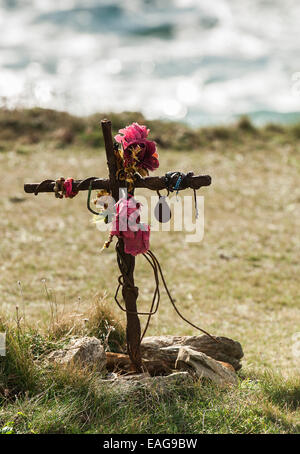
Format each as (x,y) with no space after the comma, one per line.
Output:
(241,281)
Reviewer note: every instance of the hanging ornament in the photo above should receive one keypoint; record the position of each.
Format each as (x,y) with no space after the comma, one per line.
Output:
(162,210)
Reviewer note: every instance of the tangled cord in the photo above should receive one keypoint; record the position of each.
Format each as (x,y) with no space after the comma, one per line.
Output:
(177,181)
(157,271)
(156,295)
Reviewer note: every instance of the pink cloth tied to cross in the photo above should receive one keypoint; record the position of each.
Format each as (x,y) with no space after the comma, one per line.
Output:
(127,225)
(68,187)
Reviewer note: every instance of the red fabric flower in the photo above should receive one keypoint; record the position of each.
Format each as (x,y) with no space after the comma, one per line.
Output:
(135,136)
(127,225)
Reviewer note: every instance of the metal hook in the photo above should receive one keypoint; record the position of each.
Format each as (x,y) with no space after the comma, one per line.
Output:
(88,203)
(159,194)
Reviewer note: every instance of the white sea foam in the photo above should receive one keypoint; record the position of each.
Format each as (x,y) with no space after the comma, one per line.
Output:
(184,59)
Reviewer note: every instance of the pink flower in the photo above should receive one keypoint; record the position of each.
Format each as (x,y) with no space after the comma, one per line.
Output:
(135,136)
(127,225)
(132,134)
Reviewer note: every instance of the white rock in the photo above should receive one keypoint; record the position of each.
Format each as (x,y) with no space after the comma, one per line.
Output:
(165,348)
(205,367)
(87,351)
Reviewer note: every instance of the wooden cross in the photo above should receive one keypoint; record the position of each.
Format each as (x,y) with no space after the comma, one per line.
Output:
(126,262)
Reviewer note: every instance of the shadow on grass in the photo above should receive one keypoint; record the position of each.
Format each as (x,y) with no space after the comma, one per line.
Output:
(286,397)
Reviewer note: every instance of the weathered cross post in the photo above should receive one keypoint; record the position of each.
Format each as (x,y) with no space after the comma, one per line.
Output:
(126,262)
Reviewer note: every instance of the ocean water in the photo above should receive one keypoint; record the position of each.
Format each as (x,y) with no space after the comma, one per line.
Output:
(199,61)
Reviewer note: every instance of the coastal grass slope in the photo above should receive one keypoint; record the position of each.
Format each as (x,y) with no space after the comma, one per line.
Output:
(241,281)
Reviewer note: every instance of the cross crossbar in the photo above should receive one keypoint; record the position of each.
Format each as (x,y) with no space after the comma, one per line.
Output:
(126,262)
(154,183)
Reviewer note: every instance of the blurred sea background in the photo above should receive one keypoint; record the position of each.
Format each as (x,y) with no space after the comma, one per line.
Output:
(198,61)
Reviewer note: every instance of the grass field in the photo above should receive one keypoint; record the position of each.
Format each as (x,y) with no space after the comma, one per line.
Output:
(241,281)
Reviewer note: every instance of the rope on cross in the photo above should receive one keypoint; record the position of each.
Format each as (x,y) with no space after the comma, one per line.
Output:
(126,262)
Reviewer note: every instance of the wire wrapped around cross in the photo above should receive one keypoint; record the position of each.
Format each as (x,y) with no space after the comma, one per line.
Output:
(129,162)
(157,271)
(175,181)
